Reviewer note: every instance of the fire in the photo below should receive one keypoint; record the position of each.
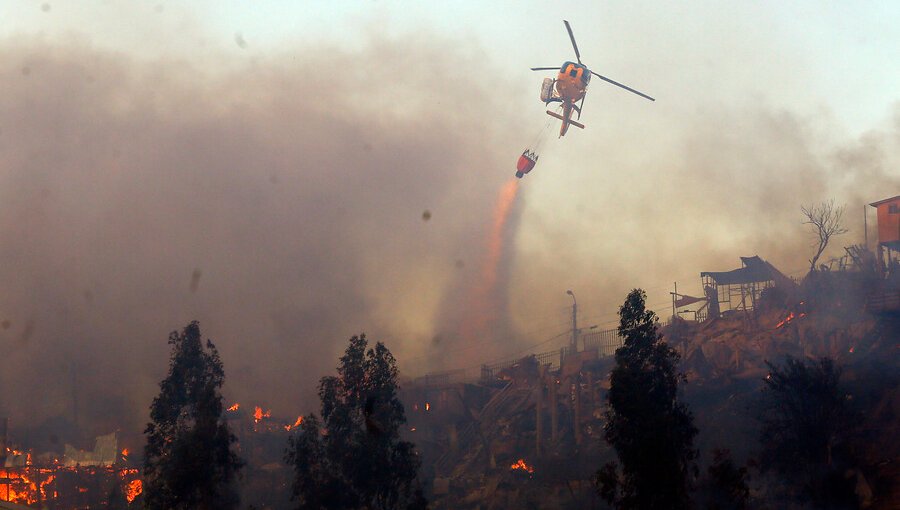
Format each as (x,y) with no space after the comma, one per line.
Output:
(295,425)
(258,414)
(125,453)
(789,318)
(235,407)
(43,486)
(133,489)
(35,485)
(19,488)
(520,464)
(427,406)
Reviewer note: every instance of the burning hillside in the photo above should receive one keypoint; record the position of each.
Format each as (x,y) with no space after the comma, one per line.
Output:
(542,416)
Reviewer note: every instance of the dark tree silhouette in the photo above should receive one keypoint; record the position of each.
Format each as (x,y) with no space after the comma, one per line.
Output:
(727,483)
(804,420)
(359,461)
(188,460)
(650,430)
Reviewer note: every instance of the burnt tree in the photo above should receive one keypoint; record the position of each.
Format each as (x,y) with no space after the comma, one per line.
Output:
(825,219)
(359,461)
(650,430)
(189,462)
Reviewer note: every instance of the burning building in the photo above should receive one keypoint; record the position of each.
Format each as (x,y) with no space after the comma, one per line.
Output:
(80,479)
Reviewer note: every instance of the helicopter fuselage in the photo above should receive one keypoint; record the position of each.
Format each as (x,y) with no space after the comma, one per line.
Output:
(572,82)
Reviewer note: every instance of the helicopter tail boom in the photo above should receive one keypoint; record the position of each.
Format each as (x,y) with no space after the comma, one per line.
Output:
(565,120)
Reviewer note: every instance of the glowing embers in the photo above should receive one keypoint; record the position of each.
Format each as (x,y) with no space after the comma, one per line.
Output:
(235,407)
(520,465)
(791,317)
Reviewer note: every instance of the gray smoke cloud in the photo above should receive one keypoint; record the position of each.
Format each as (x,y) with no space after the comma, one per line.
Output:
(280,201)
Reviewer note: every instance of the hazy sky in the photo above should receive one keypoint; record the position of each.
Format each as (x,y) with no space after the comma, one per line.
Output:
(287,151)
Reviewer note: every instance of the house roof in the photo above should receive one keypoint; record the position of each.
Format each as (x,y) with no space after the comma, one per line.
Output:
(755,270)
(886,200)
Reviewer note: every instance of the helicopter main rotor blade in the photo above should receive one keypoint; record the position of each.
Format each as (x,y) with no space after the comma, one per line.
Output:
(626,87)
(572,37)
(545,68)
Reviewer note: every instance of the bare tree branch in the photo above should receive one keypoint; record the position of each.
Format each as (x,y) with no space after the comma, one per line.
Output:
(826,221)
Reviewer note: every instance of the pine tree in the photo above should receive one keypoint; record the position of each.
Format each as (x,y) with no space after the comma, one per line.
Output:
(354,457)
(650,430)
(189,462)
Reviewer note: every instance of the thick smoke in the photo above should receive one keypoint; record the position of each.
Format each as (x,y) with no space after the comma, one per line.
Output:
(279,203)
(690,191)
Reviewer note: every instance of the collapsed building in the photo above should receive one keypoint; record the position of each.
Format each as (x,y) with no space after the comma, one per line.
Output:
(80,479)
(526,432)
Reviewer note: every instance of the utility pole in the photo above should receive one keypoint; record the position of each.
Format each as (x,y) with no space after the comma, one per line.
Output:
(574,345)
(866,226)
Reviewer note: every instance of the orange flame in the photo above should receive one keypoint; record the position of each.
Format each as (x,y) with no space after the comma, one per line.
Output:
(258,414)
(31,485)
(295,425)
(133,489)
(235,407)
(520,464)
(427,406)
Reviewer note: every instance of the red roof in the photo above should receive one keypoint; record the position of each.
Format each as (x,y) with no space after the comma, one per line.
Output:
(886,200)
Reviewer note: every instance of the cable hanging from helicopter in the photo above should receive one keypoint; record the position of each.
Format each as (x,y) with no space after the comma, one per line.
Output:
(533,151)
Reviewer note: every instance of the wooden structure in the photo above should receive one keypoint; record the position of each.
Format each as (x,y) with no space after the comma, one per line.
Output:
(888,214)
(740,289)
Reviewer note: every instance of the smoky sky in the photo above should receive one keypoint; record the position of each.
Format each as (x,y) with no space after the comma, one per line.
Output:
(279,200)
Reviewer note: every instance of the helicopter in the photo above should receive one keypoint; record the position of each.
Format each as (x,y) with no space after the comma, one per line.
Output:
(571,86)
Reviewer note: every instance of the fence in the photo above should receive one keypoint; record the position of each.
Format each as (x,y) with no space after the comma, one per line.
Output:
(605,342)
(443,378)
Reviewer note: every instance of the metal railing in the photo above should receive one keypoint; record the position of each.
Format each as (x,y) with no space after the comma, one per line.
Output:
(604,342)
(443,378)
